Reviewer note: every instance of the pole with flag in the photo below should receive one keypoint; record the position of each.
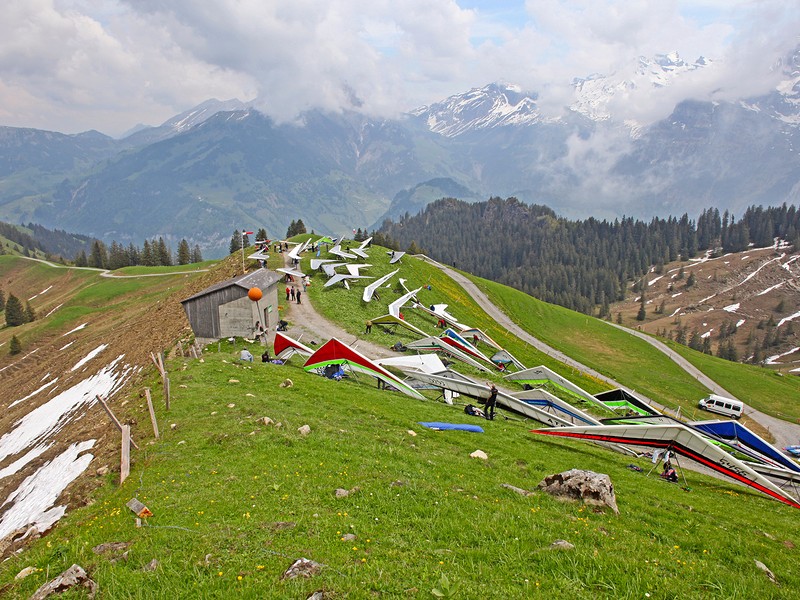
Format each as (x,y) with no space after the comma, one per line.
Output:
(244,233)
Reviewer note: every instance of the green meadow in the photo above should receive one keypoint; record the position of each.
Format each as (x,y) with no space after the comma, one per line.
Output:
(235,499)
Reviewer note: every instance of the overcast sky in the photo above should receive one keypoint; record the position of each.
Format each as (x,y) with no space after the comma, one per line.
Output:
(74,65)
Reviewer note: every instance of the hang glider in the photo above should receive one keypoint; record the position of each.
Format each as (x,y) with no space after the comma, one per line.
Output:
(427,363)
(337,250)
(343,277)
(370,289)
(353,269)
(454,339)
(741,437)
(335,352)
(622,401)
(258,255)
(394,307)
(684,441)
(440,312)
(439,345)
(547,401)
(316,263)
(294,253)
(502,353)
(292,272)
(360,250)
(286,347)
(330,268)
(392,321)
(541,375)
(456,382)
(395,256)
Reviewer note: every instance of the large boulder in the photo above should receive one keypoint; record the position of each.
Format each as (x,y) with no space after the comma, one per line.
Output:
(589,487)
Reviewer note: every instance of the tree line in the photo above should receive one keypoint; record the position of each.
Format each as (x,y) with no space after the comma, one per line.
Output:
(153,253)
(581,265)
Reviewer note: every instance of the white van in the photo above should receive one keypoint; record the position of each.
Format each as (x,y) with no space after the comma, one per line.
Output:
(722,406)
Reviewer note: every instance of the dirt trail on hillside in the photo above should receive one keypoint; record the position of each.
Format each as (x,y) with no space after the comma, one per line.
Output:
(312,329)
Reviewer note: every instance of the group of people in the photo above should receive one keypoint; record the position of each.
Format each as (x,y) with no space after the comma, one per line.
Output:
(293,294)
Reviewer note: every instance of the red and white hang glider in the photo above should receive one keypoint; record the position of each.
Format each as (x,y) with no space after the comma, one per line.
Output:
(684,441)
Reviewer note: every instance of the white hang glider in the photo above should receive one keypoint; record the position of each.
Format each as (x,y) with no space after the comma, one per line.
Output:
(316,263)
(360,251)
(370,289)
(292,272)
(343,278)
(394,307)
(395,256)
(337,250)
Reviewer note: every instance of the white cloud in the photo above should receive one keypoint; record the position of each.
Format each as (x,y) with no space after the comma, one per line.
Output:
(72,65)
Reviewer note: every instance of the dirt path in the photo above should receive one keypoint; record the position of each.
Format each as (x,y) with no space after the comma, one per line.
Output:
(309,326)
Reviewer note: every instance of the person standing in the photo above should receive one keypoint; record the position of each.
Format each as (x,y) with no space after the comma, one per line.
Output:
(287,293)
(491,402)
(297,295)
(293,293)
(369,327)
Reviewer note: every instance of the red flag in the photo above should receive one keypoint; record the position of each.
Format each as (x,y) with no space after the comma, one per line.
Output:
(247,233)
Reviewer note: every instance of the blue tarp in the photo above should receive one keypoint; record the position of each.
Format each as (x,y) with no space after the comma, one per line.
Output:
(731,430)
(456,426)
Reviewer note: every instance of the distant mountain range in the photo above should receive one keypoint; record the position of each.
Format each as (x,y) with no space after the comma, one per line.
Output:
(223,165)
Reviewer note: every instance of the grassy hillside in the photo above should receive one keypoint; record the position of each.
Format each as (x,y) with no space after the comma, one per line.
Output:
(638,365)
(235,502)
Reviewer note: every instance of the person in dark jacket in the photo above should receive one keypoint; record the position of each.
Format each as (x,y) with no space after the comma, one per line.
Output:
(491,402)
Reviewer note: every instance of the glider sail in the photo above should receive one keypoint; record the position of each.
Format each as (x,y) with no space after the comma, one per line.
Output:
(335,352)
(541,375)
(682,440)
(370,289)
(286,347)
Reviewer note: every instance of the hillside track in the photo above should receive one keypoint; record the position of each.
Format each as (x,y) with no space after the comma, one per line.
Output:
(784,432)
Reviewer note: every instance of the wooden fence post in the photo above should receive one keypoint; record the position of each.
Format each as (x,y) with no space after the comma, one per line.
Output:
(166,390)
(152,412)
(113,418)
(125,463)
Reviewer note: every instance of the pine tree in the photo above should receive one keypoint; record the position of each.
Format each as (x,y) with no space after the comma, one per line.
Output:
(236,242)
(261,235)
(184,255)
(30,314)
(81,260)
(15,314)
(197,256)
(14,347)
(2,300)
(99,256)
(147,258)
(164,253)
(290,231)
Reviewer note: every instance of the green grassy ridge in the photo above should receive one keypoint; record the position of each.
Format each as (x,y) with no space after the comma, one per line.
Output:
(640,366)
(235,502)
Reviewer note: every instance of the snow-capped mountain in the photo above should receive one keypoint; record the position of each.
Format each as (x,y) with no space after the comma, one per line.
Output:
(202,112)
(594,93)
(497,104)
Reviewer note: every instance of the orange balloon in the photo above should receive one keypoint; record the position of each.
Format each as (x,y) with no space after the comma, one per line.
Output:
(254,294)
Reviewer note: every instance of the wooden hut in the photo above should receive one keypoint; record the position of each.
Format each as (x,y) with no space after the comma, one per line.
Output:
(225,310)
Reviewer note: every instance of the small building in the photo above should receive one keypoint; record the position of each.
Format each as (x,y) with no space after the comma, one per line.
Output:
(225,310)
